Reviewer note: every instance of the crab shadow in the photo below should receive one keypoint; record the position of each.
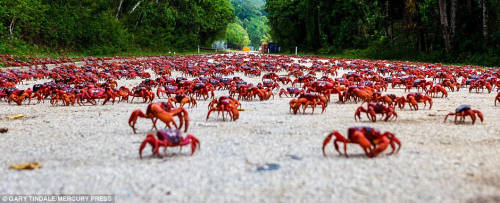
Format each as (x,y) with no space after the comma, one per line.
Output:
(379,120)
(170,155)
(463,122)
(218,120)
(369,121)
(350,156)
(305,114)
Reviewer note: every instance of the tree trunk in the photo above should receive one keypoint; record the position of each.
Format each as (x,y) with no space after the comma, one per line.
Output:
(427,42)
(422,40)
(388,31)
(485,21)
(318,23)
(453,19)
(444,24)
(138,20)
(133,8)
(119,8)
(420,29)
(11,26)
(315,34)
(312,33)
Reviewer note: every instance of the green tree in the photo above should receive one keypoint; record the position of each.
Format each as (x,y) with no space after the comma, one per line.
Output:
(236,36)
(21,16)
(251,16)
(257,29)
(110,26)
(411,29)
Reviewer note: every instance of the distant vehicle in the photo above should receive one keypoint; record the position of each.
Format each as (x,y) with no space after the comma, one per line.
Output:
(271,47)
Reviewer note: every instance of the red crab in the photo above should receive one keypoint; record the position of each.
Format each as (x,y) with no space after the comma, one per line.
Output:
(463,111)
(223,104)
(143,92)
(270,84)
(370,139)
(285,80)
(308,99)
(169,89)
(414,98)
(389,99)
(182,99)
(162,111)
(270,76)
(168,138)
(291,91)
(376,108)
(433,91)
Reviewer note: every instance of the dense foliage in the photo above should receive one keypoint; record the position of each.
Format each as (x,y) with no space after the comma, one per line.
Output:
(430,30)
(435,30)
(250,15)
(236,36)
(110,26)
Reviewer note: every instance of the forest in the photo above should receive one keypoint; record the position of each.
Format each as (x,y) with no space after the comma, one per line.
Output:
(454,31)
(449,31)
(98,27)
(250,27)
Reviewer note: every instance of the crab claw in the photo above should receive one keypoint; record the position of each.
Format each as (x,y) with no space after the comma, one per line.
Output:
(393,139)
(338,138)
(446,117)
(357,114)
(325,142)
(195,143)
(382,144)
(152,141)
(133,118)
(479,114)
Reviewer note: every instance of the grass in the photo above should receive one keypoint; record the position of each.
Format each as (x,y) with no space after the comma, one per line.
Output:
(24,51)
(375,52)
(347,55)
(392,54)
(21,48)
(123,54)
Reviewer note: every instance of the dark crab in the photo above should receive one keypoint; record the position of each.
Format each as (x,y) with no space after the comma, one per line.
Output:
(465,110)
